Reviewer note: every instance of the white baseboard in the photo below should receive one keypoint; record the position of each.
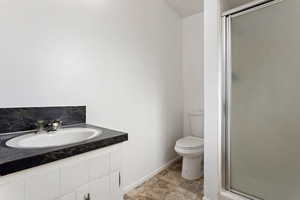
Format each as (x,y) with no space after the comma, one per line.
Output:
(147,177)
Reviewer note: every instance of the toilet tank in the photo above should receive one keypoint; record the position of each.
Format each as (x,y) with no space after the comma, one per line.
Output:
(196,123)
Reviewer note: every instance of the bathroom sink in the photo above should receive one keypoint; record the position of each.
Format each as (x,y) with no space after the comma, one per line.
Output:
(53,139)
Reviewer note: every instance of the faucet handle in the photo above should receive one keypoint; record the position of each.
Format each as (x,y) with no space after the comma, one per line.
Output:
(40,125)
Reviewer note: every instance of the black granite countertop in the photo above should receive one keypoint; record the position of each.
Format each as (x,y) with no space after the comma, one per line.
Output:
(13,159)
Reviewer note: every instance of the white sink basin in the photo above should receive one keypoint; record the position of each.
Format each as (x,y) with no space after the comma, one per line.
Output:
(58,138)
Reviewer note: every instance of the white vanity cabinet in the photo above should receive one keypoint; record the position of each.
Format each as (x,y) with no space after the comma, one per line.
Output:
(95,174)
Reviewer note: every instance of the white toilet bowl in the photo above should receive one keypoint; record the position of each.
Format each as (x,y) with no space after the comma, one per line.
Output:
(191,149)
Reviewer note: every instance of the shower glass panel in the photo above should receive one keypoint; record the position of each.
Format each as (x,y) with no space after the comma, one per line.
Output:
(263,101)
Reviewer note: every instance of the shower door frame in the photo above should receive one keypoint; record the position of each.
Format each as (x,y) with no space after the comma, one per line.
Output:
(226,79)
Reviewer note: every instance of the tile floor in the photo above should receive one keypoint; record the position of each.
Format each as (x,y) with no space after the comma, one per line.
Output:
(168,185)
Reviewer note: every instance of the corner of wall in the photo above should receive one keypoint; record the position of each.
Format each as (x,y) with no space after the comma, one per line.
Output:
(212,41)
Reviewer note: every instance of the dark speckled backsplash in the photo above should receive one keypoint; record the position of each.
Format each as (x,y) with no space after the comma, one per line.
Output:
(22,119)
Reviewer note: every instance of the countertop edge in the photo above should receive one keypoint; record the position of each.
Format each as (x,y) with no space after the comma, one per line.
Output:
(17,165)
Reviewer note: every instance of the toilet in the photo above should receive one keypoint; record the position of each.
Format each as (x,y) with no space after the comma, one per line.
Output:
(191,148)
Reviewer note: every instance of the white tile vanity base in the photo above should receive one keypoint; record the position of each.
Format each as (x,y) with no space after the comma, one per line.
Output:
(96,173)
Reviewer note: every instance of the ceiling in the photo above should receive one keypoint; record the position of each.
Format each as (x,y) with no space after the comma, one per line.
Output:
(186,8)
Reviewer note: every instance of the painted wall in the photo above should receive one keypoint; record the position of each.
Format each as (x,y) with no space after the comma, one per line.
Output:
(227,5)
(230,4)
(121,58)
(192,65)
(212,55)
(212,102)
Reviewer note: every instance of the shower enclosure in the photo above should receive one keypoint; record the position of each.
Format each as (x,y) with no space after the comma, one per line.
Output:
(261,104)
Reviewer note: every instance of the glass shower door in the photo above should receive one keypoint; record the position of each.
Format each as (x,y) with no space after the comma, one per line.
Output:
(263,101)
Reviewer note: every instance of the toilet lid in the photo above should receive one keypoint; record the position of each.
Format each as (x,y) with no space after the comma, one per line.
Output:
(190,142)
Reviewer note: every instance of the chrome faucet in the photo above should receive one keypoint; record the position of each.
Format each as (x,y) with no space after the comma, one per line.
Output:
(42,127)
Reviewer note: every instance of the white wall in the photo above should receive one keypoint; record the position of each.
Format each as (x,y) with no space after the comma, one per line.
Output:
(187,8)
(230,4)
(226,5)
(212,102)
(212,55)
(192,64)
(122,58)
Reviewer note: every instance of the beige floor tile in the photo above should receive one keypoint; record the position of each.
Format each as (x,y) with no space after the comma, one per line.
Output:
(168,185)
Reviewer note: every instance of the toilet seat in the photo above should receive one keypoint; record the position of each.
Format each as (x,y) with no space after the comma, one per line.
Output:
(191,149)
(190,143)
